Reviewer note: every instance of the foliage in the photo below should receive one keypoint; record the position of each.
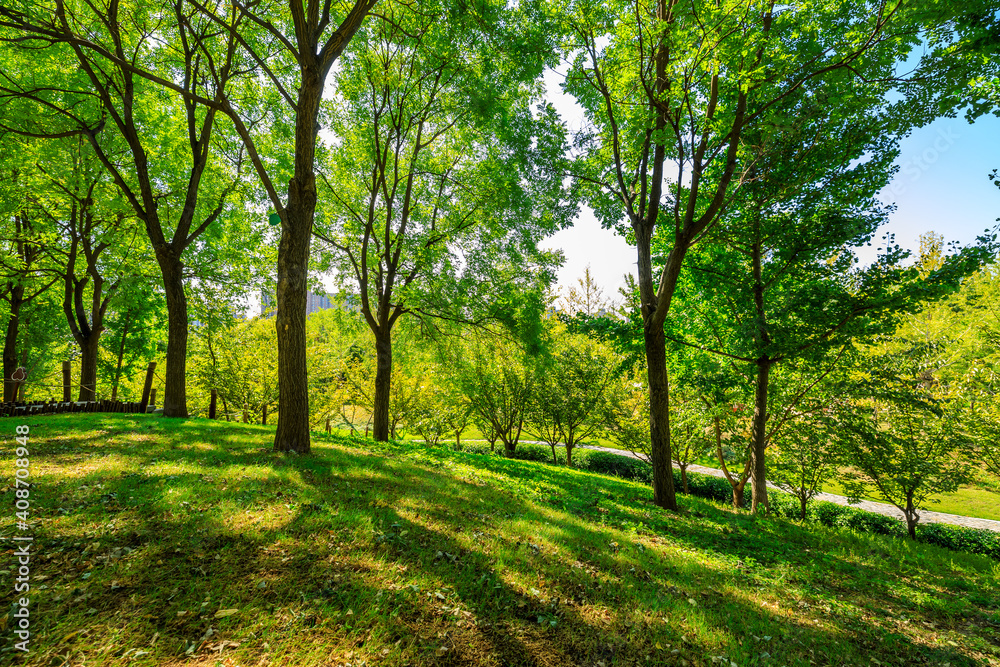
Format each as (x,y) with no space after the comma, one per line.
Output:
(571,391)
(806,457)
(243,366)
(902,435)
(499,385)
(626,413)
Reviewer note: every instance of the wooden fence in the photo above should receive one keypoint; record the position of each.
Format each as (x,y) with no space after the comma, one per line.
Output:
(147,404)
(22,409)
(50,407)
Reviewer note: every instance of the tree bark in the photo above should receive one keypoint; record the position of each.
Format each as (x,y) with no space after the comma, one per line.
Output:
(174,388)
(659,417)
(758,438)
(88,366)
(738,500)
(383,378)
(10,344)
(292,433)
(911,517)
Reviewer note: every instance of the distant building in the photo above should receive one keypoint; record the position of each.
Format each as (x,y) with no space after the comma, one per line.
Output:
(314,303)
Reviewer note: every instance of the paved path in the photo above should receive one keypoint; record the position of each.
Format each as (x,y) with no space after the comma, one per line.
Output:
(926,516)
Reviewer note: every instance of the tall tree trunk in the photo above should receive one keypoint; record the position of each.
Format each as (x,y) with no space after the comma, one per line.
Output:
(88,366)
(10,344)
(175,388)
(383,379)
(758,437)
(659,417)
(292,433)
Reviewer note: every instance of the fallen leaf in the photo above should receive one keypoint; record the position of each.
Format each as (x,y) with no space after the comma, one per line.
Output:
(222,613)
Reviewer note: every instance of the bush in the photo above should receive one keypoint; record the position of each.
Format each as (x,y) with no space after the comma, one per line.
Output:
(478,448)
(617,465)
(708,486)
(957,538)
(530,453)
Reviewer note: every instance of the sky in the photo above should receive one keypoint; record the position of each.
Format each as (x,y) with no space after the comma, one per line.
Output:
(942,185)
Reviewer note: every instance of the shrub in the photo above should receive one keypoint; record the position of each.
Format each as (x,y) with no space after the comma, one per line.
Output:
(957,538)
(617,465)
(477,448)
(531,453)
(708,486)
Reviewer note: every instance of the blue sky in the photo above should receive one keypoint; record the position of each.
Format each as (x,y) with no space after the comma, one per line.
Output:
(942,185)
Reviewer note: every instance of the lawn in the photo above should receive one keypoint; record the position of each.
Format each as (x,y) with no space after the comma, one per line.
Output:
(162,542)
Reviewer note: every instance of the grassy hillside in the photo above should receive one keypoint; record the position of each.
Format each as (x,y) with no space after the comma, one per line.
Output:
(165,543)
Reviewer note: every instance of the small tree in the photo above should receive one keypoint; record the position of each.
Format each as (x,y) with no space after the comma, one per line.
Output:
(428,417)
(498,385)
(586,297)
(903,439)
(691,430)
(806,458)
(571,389)
(457,414)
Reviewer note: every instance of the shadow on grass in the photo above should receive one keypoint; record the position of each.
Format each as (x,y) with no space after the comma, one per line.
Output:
(375,557)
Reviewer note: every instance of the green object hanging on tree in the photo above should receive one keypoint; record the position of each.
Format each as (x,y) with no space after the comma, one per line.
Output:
(274,219)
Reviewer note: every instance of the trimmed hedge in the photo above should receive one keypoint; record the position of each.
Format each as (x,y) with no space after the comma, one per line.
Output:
(617,465)
(525,452)
(530,453)
(958,538)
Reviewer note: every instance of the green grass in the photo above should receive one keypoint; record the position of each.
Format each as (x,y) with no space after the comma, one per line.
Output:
(369,554)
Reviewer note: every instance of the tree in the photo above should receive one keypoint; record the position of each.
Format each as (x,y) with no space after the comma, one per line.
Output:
(586,297)
(91,245)
(691,434)
(670,91)
(778,284)
(429,418)
(626,414)
(243,366)
(124,59)
(571,388)
(902,435)
(441,185)
(22,284)
(807,456)
(135,325)
(499,384)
